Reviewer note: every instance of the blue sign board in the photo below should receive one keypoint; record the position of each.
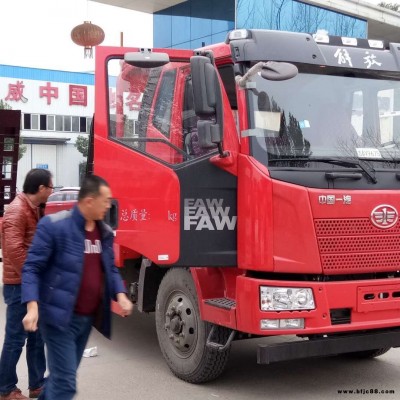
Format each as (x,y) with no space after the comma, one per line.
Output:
(42,166)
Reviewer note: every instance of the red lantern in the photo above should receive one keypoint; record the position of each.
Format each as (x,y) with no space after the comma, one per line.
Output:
(87,35)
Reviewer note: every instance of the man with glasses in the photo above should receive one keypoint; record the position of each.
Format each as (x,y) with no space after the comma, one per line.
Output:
(68,281)
(19,226)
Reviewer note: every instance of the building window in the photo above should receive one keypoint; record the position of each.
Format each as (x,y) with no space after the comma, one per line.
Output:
(75,124)
(7,192)
(296,16)
(7,167)
(82,124)
(43,122)
(27,121)
(51,122)
(8,144)
(67,123)
(35,122)
(60,123)
(192,23)
(88,124)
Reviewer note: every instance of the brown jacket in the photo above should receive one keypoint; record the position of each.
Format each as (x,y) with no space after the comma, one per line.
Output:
(19,225)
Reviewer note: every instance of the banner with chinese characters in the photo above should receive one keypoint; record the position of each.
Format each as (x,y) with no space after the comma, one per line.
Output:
(47,97)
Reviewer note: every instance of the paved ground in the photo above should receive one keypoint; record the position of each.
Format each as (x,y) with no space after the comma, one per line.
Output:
(131,367)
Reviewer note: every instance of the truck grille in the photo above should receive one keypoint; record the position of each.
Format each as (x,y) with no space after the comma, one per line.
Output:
(357,246)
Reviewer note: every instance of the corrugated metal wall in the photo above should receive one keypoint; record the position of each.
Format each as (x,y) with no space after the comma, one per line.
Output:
(68,159)
(62,160)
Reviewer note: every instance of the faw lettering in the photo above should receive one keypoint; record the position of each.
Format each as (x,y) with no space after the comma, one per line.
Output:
(207,214)
(91,248)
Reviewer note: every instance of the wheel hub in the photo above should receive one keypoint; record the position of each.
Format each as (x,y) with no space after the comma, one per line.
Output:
(176,324)
(180,323)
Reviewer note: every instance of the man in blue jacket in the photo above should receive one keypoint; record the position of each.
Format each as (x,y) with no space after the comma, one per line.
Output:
(68,281)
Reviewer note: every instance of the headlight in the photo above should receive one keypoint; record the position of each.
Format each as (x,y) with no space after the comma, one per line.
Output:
(285,298)
(285,323)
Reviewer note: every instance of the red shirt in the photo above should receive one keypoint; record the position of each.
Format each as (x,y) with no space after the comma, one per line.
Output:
(91,290)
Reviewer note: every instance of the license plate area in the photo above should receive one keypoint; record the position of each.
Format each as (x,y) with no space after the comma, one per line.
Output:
(377,298)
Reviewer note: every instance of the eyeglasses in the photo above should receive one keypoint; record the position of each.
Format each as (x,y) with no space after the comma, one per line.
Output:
(50,187)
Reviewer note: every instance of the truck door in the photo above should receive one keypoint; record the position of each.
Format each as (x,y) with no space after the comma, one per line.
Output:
(174,206)
(208,199)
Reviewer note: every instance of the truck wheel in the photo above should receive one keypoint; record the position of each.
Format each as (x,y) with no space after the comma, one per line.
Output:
(182,334)
(369,353)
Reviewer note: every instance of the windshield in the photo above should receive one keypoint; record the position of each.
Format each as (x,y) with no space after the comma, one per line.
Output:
(326,112)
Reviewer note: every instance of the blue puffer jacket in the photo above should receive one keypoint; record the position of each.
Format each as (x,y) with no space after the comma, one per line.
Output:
(53,269)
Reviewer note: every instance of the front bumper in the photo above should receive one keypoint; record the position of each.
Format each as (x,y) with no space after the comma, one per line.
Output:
(369,304)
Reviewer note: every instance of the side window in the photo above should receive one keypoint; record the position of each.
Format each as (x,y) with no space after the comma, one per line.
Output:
(357,112)
(389,115)
(70,196)
(145,109)
(228,79)
(164,102)
(56,197)
(388,101)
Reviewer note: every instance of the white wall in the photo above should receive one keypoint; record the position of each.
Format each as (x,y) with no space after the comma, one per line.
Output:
(62,160)
(68,159)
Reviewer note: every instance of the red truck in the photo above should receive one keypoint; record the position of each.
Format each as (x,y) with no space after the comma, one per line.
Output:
(256,193)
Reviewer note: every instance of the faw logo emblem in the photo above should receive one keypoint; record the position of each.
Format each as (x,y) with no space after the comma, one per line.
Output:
(209,214)
(384,216)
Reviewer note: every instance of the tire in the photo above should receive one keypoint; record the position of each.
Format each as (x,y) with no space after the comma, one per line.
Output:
(368,353)
(182,335)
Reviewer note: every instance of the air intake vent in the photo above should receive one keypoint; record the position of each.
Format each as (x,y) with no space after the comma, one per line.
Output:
(357,246)
(340,316)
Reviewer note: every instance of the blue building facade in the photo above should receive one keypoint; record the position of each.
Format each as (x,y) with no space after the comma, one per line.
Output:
(196,23)
(193,23)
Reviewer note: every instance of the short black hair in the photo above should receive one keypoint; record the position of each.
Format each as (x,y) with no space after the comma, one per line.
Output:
(35,178)
(91,186)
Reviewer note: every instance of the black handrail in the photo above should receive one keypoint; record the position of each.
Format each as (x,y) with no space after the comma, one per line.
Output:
(156,140)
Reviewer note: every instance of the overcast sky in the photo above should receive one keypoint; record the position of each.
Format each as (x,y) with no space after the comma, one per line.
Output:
(37,33)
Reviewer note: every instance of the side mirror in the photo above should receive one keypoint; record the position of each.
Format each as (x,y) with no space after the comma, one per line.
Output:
(209,134)
(270,70)
(278,71)
(204,81)
(145,58)
(207,102)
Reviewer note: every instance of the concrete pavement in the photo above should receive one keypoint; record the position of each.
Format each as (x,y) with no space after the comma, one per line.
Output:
(131,367)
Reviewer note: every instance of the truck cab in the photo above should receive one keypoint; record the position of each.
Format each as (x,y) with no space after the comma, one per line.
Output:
(256,193)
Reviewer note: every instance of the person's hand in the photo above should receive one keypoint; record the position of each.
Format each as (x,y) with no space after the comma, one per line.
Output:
(30,320)
(125,304)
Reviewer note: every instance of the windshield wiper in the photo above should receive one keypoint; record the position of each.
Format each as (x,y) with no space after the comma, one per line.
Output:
(364,166)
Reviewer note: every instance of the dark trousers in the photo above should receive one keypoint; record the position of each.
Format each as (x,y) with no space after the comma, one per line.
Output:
(14,341)
(64,353)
